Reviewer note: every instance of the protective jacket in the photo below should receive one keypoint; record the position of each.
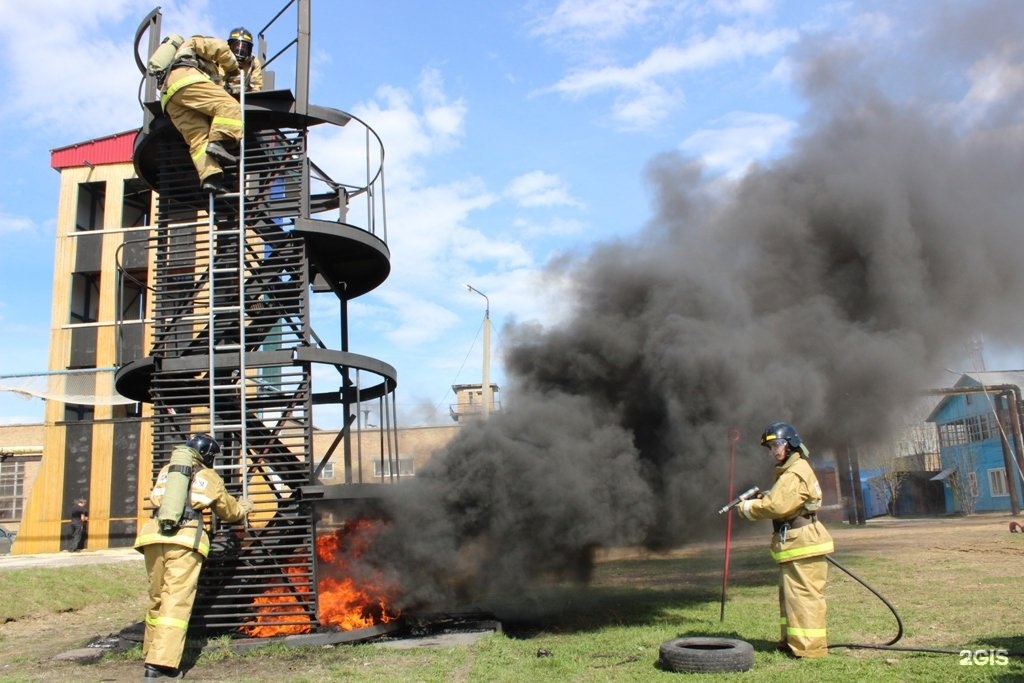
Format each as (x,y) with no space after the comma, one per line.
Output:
(207,491)
(199,59)
(254,76)
(792,504)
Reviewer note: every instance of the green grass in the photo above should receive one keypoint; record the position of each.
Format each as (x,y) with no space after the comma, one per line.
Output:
(954,591)
(39,591)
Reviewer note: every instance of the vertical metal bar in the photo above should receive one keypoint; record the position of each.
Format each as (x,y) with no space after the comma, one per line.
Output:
(359,428)
(302,61)
(211,317)
(243,374)
(394,427)
(346,403)
(151,88)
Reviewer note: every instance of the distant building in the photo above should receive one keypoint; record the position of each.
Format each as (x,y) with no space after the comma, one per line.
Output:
(469,401)
(980,441)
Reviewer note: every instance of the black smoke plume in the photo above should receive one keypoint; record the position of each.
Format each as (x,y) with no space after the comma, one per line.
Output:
(827,288)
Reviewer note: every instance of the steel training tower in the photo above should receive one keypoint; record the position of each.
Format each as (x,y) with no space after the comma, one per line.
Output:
(232,351)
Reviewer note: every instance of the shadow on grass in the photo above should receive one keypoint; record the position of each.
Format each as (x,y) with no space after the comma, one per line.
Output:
(1013,645)
(583,609)
(631,592)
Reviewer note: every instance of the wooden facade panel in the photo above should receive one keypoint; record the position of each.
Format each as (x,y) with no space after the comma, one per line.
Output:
(40,530)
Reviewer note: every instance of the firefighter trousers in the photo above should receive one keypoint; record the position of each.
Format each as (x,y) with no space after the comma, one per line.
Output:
(173,578)
(203,112)
(802,605)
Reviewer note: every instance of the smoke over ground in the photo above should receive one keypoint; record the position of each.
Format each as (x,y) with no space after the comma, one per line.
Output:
(825,289)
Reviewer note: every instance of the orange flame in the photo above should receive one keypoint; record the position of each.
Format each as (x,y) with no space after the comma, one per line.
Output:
(281,603)
(344,602)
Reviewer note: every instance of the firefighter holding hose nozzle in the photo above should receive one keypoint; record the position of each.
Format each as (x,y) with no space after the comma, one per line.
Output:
(799,542)
(175,543)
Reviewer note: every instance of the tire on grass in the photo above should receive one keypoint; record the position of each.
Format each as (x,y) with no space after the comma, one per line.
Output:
(706,655)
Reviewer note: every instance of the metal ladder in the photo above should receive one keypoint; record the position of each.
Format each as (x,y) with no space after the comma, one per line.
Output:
(222,376)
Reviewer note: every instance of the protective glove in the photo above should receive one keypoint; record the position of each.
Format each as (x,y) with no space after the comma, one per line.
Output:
(246,505)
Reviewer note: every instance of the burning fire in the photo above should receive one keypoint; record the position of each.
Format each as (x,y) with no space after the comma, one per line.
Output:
(346,602)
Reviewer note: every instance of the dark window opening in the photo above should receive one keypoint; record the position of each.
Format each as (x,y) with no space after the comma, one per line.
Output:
(137,201)
(85,297)
(77,412)
(91,199)
(132,293)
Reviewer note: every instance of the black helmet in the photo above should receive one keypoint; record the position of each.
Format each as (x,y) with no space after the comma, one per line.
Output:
(240,42)
(206,446)
(781,430)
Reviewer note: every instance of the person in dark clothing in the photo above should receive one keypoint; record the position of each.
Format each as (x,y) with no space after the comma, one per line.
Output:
(79,525)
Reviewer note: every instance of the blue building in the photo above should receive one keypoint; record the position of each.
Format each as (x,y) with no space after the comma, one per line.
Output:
(876,499)
(979,430)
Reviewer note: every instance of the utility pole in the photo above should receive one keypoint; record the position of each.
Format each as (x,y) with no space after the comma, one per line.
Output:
(487,352)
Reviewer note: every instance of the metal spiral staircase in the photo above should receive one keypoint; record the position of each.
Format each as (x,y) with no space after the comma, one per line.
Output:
(233,351)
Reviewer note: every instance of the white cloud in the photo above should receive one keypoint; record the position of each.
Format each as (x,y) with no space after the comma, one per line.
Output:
(597,19)
(751,7)
(64,74)
(10,223)
(646,108)
(728,44)
(742,139)
(996,77)
(538,188)
(413,129)
(418,320)
(646,90)
(553,227)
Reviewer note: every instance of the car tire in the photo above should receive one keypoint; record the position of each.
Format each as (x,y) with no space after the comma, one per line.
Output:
(706,655)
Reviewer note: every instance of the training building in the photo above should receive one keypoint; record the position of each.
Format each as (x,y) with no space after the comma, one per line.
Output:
(94,443)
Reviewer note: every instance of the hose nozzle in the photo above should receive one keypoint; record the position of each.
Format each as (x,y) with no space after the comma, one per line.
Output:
(746,495)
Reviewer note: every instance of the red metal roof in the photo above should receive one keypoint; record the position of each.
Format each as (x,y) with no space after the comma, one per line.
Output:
(112,149)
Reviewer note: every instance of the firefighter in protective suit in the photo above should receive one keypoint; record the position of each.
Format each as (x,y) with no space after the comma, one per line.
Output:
(175,552)
(194,99)
(799,542)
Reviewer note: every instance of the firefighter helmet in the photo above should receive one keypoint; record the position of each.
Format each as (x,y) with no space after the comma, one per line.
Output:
(781,430)
(206,446)
(240,42)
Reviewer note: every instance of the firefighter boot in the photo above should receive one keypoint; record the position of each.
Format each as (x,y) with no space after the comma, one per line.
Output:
(215,184)
(154,671)
(219,152)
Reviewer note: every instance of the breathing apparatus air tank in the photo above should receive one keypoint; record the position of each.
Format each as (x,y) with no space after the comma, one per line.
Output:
(176,498)
(163,56)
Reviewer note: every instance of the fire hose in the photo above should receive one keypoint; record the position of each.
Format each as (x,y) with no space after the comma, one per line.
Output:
(891,645)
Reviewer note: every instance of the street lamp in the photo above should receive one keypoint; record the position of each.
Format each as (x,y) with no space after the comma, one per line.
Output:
(487,351)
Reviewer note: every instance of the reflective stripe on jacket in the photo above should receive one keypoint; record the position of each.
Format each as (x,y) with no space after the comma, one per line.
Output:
(795,492)
(213,57)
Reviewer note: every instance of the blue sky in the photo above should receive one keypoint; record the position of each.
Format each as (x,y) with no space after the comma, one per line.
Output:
(517,135)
